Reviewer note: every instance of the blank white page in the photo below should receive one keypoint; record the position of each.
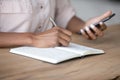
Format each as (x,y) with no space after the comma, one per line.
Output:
(51,55)
(80,49)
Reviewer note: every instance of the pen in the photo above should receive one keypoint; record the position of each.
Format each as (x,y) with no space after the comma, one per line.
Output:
(53,22)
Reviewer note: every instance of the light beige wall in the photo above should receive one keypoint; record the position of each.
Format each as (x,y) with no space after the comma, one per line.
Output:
(90,8)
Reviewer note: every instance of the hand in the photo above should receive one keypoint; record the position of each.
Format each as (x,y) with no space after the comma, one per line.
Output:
(91,31)
(51,38)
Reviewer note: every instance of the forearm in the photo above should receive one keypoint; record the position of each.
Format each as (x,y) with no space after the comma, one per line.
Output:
(15,39)
(75,24)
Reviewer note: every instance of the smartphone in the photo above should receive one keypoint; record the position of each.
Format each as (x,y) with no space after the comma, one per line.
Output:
(97,24)
(106,19)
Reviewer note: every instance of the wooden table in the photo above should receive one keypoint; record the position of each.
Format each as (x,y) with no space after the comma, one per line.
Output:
(99,67)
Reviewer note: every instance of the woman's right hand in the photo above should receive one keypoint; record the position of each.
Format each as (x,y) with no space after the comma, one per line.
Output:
(51,38)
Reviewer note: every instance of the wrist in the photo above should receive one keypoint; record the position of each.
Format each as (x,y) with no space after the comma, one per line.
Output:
(34,39)
(30,39)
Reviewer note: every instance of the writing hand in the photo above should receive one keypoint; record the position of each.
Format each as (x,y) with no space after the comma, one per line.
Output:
(52,38)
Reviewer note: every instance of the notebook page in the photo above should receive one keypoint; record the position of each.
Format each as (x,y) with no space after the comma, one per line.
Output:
(51,55)
(79,49)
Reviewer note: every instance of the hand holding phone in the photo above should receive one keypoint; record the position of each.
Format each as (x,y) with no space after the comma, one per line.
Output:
(104,20)
(95,30)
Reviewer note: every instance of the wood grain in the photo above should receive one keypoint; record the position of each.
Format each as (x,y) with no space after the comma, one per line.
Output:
(99,67)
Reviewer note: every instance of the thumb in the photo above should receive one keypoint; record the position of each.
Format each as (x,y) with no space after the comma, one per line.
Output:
(105,15)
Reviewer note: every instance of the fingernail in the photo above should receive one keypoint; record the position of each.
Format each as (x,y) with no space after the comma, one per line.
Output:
(81,30)
(87,29)
(92,26)
(100,22)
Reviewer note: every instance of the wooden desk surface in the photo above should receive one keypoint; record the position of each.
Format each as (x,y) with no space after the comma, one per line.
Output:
(99,67)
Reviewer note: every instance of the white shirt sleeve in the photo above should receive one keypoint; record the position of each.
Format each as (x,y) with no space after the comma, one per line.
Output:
(14,15)
(64,12)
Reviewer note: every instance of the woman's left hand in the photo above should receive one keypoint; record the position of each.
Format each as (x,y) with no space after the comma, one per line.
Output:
(90,31)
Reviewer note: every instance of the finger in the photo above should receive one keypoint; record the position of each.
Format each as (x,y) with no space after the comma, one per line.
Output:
(53,44)
(84,34)
(90,33)
(105,15)
(103,26)
(63,42)
(64,36)
(66,31)
(97,31)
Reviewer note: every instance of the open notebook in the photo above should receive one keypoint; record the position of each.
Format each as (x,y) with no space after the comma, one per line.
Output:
(56,54)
